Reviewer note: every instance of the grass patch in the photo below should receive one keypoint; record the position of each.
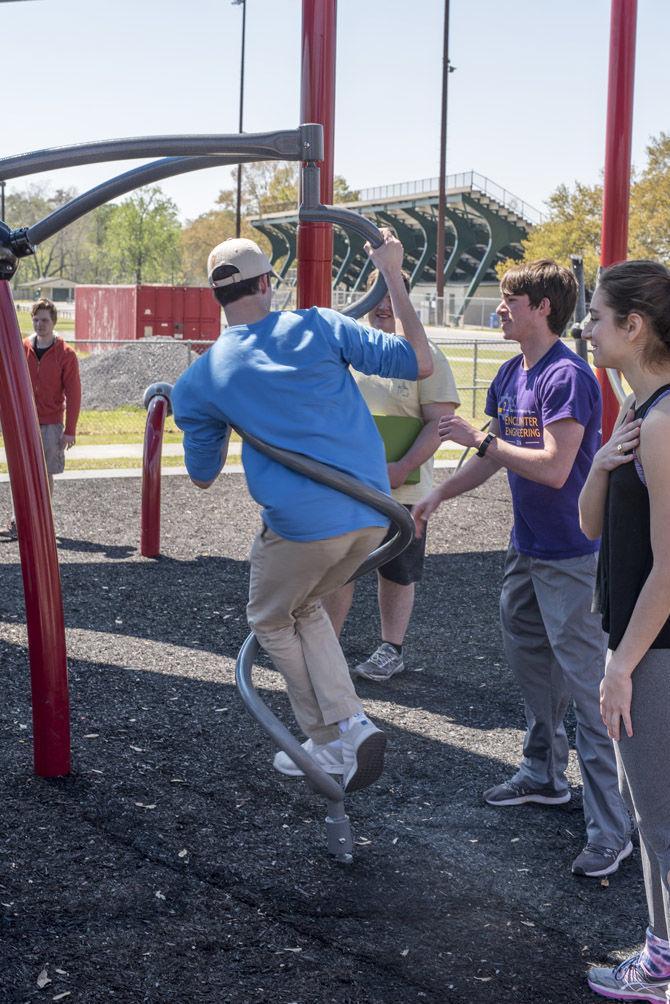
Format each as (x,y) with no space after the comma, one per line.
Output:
(113,463)
(26,324)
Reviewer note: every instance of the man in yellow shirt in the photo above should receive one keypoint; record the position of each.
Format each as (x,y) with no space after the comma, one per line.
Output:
(427,400)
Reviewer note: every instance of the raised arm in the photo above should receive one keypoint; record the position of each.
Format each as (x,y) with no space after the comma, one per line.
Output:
(388,259)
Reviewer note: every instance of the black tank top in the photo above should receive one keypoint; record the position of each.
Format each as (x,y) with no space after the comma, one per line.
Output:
(626,557)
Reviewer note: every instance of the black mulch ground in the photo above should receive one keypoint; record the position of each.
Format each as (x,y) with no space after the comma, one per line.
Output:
(175,865)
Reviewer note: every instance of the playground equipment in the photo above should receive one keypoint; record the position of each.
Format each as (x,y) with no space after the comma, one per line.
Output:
(24,452)
(311,210)
(34,521)
(157,402)
(338,827)
(312,143)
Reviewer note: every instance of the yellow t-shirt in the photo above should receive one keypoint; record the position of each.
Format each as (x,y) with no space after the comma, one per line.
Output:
(385,396)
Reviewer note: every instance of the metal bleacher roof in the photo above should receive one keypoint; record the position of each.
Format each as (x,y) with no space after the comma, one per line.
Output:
(485,224)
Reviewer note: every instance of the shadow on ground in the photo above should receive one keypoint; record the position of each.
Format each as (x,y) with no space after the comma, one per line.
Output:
(174,865)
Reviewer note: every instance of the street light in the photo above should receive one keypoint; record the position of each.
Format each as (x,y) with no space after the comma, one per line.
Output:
(238,207)
(447,68)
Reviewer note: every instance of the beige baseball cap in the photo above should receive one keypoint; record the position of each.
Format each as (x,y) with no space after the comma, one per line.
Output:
(235,260)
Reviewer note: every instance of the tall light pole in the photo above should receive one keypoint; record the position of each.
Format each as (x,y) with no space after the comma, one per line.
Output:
(447,68)
(238,205)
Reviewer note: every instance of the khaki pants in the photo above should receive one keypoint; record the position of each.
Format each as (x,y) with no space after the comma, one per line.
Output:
(288,579)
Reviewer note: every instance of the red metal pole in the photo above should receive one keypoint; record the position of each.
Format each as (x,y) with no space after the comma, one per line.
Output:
(317,104)
(616,191)
(150,537)
(37,544)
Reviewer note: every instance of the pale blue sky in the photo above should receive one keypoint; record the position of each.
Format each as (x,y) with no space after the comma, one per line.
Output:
(526,104)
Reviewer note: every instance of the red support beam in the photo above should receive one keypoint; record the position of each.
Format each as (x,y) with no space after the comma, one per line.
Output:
(317,104)
(150,535)
(618,142)
(37,544)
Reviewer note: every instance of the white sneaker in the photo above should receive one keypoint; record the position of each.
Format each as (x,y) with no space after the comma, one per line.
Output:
(328,758)
(363,746)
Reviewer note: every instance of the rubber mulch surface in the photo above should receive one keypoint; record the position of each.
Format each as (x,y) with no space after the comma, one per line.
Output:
(174,864)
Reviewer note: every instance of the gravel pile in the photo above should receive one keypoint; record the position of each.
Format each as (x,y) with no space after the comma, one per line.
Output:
(118,377)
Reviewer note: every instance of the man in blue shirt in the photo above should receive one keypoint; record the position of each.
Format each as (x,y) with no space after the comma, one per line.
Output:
(545,413)
(284,377)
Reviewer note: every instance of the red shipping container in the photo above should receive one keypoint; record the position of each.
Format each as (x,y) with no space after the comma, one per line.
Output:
(128,313)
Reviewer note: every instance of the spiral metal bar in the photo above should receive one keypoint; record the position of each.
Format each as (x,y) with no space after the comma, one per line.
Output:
(313,211)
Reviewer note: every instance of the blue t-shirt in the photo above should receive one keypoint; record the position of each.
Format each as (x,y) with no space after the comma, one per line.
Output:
(286,380)
(559,385)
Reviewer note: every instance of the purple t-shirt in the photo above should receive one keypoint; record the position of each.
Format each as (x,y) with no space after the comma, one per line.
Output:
(559,385)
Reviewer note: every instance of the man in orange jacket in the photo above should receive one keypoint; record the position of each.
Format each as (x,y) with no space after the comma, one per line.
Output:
(54,374)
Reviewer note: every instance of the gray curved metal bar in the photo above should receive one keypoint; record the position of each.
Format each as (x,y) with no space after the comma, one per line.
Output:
(303,143)
(338,829)
(167,167)
(312,210)
(617,386)
(344,483)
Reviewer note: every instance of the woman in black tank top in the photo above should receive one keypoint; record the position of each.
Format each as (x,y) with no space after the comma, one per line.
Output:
(626,500)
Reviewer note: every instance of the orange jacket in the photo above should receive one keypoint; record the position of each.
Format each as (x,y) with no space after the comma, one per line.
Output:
(55,380)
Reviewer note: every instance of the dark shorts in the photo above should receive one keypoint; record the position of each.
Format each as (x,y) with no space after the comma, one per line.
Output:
(408,566)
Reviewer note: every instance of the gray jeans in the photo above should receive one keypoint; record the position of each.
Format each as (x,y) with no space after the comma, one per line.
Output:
(556,648)
(644,776)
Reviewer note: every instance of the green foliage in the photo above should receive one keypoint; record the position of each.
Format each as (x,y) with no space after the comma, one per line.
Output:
(142,238)
(342,192)
(573,227)
(649,229)
(575,218)
(68,254)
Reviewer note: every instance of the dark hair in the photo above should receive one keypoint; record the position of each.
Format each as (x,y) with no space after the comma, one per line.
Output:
(642,287)
(372,278)
(47,305)
(236,290)
(540,279)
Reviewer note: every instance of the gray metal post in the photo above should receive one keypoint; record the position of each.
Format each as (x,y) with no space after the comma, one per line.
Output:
(580,309)
(475,376)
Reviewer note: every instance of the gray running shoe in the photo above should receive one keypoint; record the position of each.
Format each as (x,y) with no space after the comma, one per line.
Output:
(515,793)
(384,663)
(327,757)
(628,982)
(596,862)
(363,747)
(10,530)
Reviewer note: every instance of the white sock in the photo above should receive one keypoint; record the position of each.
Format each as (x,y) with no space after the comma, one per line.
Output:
(360,718)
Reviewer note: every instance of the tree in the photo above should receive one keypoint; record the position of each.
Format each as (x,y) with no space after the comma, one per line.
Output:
(63,255)
(142,238)
(649,229)
(200,235)
(573,227)
(575,218)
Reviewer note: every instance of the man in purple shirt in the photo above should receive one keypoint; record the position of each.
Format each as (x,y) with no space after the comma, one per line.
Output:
(545,411)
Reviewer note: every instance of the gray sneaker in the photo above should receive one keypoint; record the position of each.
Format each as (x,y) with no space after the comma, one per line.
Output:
(515,793)
(596,862)
(628,982)
(9,532)
(384,663)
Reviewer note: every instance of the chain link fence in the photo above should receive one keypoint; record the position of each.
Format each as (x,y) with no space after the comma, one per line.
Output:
(115,374)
